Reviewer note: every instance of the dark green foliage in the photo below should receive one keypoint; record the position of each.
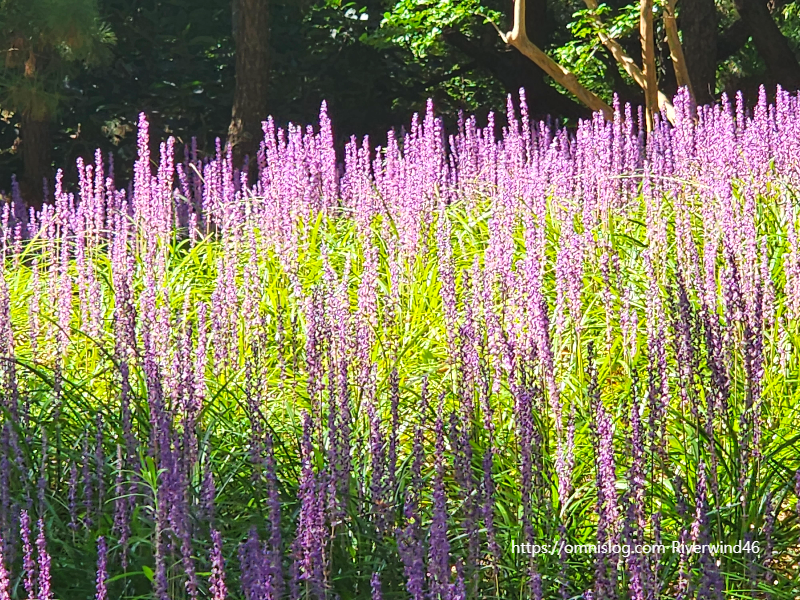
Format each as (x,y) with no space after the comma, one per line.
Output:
(43,42)
(374,61)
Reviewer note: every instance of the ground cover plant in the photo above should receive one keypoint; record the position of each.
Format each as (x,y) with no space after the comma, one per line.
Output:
(397,375)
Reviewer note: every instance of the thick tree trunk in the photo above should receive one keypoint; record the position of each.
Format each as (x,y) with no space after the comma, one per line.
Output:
(252,34)
(698,22)
(35,143)
(536,24)
(647,35)
(773,47)
(732,40)
(737,34)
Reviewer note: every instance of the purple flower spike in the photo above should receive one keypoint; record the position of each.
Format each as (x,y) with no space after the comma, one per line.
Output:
(275,581)
(45,592)
(217,580)
(87,482)
(28,563)
(5,585)
(102,569)
(72,494)
(122,526)
(439,550)
(312,533)
(375,584)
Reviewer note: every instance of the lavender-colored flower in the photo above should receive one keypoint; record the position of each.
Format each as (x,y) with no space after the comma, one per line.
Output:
(275,581)
(72,494)
(216,584)
(797,489)
(160,580)
(535,584)
(102,569)
(310,540)
(634,524)
(460,442)
(409,538)
(5,584)
(658,392)
(439,549)
(28,562)
(447,278)
(711,584)
(529,450)
(5,490)
(458,589)
(187,559)
(391,456)
(375,585)
(100,463)
(122,526)
(254,568)
(607,505)
(88,493)
(45,591)
(41,485)
(378,460)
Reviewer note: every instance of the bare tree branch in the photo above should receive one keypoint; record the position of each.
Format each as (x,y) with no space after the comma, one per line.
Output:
(628,64)
(648,60)
(675,48)
(515,71)
(518,38)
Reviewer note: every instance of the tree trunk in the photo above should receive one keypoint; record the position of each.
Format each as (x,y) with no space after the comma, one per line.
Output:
(645,77)
(536,24)
(543,98)
(533,14)
(773,47)
(514,71)
(251,28)
(698,20)
(732,40)
(647,35)
(36,144)
(676,48)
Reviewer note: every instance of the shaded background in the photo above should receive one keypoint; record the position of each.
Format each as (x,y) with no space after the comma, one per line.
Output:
(374,61)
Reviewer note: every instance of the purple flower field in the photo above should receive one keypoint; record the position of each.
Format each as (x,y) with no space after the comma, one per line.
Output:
(517,362)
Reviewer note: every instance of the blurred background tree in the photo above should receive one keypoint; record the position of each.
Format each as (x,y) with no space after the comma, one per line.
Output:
(45,42)
(251,34)
(374,61)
